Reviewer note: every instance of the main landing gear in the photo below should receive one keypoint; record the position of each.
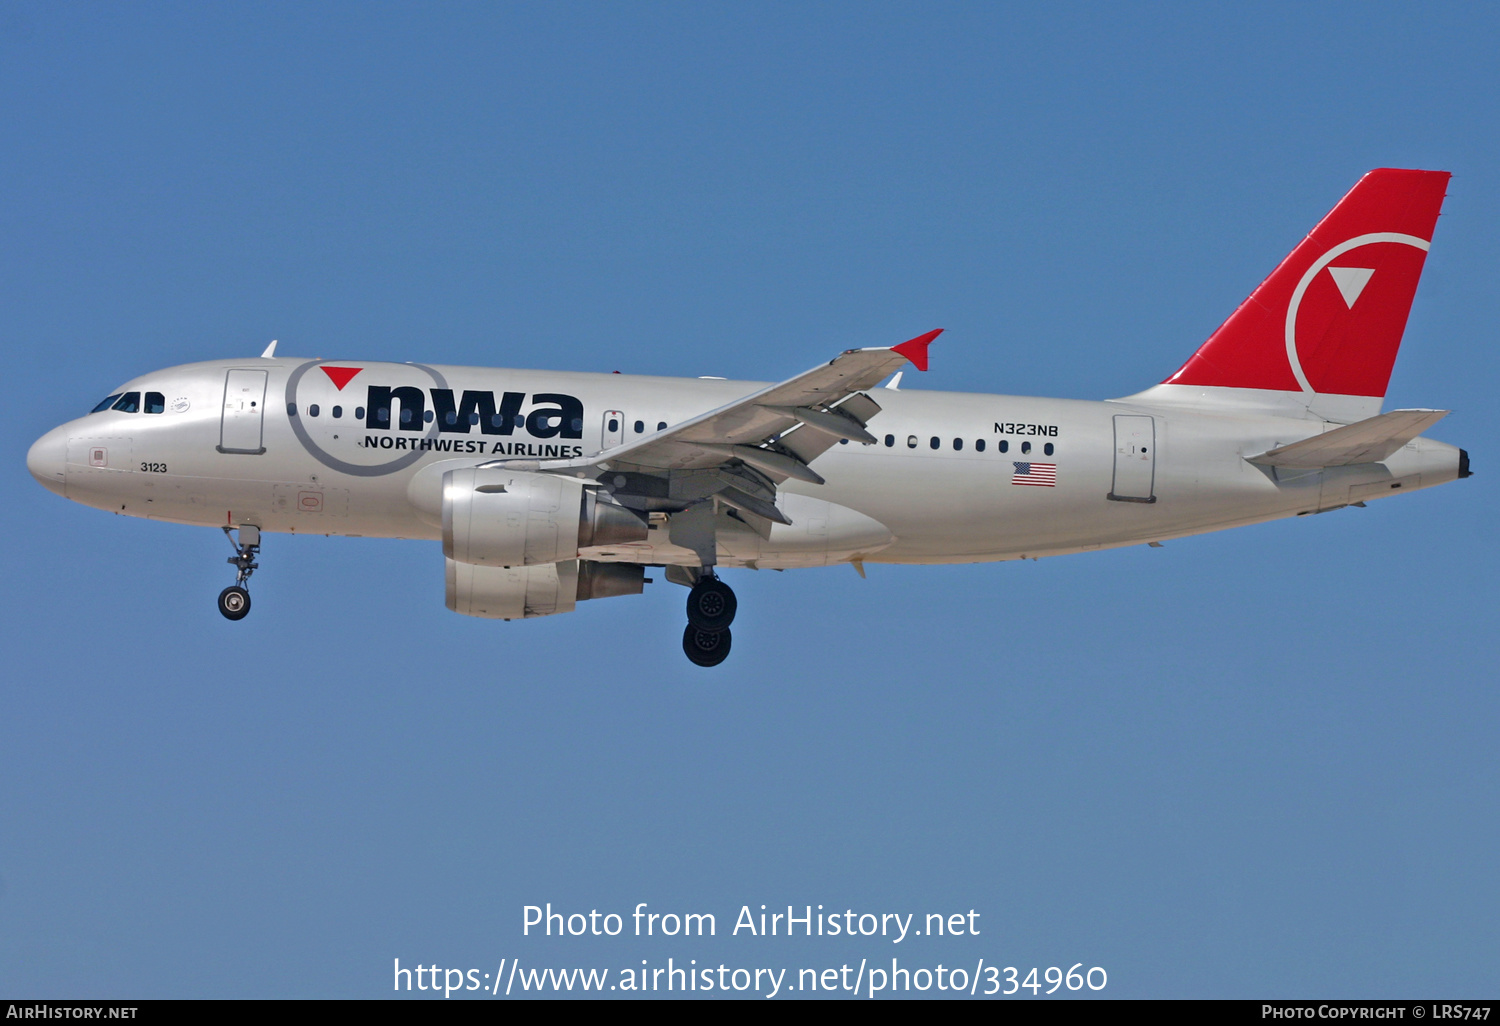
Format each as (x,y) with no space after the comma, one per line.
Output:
(234,601)
(710,610)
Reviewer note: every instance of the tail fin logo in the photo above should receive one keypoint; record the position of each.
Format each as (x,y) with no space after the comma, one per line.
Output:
(1350,283)
(1304,332)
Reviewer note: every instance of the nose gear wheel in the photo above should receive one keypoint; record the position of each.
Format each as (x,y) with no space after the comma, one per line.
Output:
(234,602)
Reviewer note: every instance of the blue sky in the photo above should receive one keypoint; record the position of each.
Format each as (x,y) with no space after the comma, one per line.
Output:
(1247,764)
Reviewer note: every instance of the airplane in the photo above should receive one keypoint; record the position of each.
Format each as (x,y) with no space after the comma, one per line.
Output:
(548,489)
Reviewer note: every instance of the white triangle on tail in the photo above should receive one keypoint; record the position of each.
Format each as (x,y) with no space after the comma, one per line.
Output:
(1351,281)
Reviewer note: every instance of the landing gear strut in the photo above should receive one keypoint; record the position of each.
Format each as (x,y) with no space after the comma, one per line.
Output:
(234,601)
(710,610)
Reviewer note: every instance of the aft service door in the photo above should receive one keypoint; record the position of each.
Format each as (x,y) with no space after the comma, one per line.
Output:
(614,429)
(244,412)
(1135,459)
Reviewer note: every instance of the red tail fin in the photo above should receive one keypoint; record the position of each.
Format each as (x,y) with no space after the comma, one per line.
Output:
(1330,318)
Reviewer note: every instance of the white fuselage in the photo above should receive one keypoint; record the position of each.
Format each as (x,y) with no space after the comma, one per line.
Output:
(942,480)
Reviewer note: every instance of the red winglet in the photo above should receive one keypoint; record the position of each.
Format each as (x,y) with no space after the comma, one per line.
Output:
(916,349)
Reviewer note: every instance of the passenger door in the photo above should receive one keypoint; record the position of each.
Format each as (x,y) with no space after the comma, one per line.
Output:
(241,429)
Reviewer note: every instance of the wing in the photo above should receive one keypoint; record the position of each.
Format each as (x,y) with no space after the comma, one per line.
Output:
(776,432)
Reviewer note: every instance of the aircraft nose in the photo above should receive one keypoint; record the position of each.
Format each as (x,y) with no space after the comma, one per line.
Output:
(47,458)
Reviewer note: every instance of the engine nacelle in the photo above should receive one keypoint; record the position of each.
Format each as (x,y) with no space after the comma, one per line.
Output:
(509,518)
(521,592)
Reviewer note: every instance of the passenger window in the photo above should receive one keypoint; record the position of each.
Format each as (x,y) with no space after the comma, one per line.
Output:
(1025,447)
(130,402)
(384,414)
(291,409)
(473,417)
(958,443)
(911,441)
(450,418)
(640,427)
(1049,449)
(338,411)
(936,441)
(661,425)
(426,417)
(614,425)
(577,423)
(1004,445)
(155,402)
(890,440)
(979,445)
(106,404)
(359,413)
(312,411)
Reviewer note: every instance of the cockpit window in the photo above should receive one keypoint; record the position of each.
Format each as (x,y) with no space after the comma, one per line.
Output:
(130,402)
(106,404)
(155,402)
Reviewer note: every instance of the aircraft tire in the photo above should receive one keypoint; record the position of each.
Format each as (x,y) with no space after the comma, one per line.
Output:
(711,605)
(706,648)
(234,602)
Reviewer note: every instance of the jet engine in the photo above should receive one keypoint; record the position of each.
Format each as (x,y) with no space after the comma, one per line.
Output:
(521,592)
(507,518)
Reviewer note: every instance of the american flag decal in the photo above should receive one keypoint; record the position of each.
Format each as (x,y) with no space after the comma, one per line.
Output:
(1041,474)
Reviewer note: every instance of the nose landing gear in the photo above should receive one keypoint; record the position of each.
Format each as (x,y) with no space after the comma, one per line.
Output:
(234,601)
(711,607)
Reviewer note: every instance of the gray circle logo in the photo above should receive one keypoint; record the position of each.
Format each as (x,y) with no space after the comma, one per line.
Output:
(319,429)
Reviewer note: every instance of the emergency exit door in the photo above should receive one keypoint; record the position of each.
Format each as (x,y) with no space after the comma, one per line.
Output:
(241,428)
(614,429)
(1135,459)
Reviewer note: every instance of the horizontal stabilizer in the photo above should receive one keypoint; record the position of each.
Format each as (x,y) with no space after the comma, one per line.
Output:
(1368,441)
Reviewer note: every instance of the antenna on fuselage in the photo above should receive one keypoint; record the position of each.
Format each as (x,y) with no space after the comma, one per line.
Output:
(270,351)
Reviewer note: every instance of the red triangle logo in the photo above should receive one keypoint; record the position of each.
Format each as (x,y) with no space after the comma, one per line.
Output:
(340,376)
